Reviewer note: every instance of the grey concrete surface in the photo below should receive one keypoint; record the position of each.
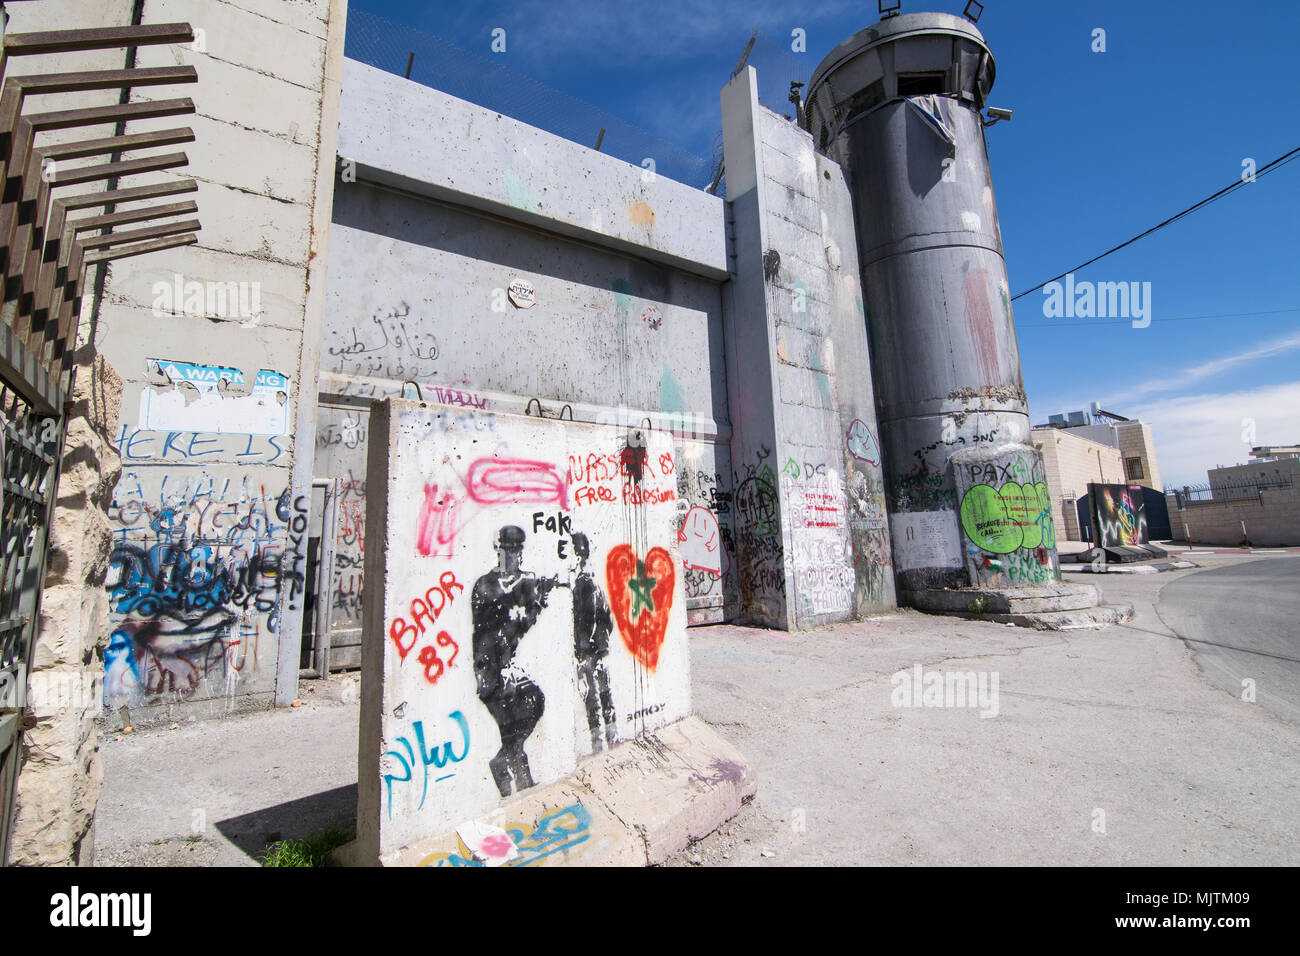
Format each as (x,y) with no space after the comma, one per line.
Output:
(1243,622)
(1118,720)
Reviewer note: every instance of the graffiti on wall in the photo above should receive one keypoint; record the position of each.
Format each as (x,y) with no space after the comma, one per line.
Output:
(194,582)
(391,343)
(1118,515)
(705,534)
(760,553)
(563,539)
(818,519)
(1006,517)
(561,831)
(869,538)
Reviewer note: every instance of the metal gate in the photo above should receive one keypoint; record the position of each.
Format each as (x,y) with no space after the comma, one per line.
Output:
(29,441)
(44,258)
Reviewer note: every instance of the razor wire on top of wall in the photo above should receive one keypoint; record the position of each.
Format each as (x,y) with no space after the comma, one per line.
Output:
(437,63)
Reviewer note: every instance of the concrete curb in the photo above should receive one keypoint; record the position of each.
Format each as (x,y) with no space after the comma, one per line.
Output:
(1131,568)
(635,805)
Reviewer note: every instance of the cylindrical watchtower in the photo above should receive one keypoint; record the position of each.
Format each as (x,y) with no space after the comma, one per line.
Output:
(898,105)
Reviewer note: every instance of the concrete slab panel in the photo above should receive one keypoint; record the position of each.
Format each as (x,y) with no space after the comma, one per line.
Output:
(496,652)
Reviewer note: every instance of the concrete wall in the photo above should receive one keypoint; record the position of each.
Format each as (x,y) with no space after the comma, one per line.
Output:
(1008,533)
(216,345)
(483,679)
(1271,514)
(440,207)
(1071,462)
(812,532)
(1228,481)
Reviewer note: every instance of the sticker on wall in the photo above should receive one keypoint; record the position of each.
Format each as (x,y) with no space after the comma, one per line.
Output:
(199,399)
(522,293)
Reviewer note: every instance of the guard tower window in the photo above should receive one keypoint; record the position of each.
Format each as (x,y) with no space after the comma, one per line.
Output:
(1134,467)
(870,96)
(920,84)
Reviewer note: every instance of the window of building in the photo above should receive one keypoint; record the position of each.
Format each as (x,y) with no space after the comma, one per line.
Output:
(1133,468)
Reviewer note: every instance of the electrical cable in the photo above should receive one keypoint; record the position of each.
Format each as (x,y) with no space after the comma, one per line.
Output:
(1275,164)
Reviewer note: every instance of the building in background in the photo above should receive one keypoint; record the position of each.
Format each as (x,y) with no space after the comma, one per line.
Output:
(1071,462)
(1255,504)
(1103,447)
(1130,435)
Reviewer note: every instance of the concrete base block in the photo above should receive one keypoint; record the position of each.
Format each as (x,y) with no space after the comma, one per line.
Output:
(635,805)
(1050,606)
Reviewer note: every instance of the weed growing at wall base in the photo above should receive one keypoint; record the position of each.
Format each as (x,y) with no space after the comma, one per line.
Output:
(310,851)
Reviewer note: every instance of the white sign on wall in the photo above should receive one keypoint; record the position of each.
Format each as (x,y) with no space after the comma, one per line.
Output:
(522,293)
(925,539)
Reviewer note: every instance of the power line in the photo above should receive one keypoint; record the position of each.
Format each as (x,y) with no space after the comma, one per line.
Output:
(1277,163)
(1175,318)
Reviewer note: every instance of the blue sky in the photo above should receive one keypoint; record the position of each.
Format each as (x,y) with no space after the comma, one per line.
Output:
(1102,146)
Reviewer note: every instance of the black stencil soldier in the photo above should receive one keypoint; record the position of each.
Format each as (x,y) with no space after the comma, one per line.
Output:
(592,625)
(505,604)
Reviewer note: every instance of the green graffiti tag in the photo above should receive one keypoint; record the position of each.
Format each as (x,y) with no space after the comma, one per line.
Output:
(1006,519)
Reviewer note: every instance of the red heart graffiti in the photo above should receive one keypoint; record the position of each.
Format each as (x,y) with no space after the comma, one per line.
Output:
(641,595)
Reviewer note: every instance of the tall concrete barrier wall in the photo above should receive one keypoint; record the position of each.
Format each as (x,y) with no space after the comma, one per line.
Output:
(497,267)
(811,528)
(216,344)
(526,607)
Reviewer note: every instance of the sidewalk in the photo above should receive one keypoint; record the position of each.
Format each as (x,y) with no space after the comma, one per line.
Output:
(1110,728)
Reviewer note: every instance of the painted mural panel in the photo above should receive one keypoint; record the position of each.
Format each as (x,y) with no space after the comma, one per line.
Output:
(1006,516)
(534,606)
(209,545)
(1118,515)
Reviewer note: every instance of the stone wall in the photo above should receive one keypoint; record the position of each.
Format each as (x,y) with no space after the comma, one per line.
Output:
(1272,519)
(61,773)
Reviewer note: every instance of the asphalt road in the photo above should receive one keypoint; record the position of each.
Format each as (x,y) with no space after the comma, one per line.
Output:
(1243,623)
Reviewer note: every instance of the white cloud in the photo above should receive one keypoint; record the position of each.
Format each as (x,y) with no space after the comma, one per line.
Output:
(1206,370)
(1193,433)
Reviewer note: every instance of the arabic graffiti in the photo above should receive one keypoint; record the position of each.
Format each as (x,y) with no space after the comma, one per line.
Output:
(410,757)
(386,347)
(557,832)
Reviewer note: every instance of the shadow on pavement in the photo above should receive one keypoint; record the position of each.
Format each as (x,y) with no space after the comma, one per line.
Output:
(251,832)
